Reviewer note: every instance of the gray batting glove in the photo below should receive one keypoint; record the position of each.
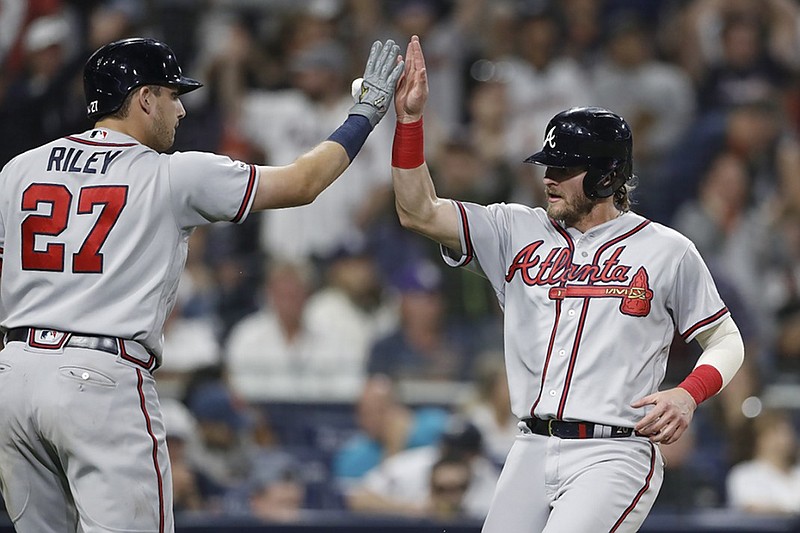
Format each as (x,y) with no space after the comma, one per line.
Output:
(380,82)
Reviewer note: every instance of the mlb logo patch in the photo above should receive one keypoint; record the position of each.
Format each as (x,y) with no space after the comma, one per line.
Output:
(98,134)
(47,338)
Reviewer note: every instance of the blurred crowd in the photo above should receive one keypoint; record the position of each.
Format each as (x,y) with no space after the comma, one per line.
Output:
(323,358)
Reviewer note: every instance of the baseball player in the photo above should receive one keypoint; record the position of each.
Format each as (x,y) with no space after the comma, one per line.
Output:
(592,294)
(93,236)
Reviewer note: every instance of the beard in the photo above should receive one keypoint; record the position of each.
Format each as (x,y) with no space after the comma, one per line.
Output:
(163,134)
(571,210)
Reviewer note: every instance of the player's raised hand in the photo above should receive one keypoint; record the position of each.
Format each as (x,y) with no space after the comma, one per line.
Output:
(412,93)
(666,422)
(384,68)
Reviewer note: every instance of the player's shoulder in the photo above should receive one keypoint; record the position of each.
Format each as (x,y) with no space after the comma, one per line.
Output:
(201,161)
(198,156)
(658,232)
(99,138)
(29,158)
(32,153)
(519,210)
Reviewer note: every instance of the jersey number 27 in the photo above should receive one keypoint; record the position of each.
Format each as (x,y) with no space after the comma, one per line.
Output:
(88,259)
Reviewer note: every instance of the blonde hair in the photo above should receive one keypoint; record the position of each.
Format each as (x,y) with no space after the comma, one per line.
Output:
(622,196)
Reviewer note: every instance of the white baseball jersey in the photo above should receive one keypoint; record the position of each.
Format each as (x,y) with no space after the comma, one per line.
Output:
(589,318)
(94,230)
(296,126)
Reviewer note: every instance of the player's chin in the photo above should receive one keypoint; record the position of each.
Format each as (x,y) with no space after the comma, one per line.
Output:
(555,207)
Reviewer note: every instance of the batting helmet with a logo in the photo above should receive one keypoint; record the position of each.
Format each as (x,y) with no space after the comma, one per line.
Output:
(590,137)
(117,68)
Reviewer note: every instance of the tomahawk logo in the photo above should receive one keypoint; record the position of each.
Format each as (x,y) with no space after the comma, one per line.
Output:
(550,139)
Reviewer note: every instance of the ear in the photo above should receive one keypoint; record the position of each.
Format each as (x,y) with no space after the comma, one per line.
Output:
(145,99)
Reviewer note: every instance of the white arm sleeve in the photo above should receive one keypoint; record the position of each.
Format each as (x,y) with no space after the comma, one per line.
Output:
(722,348)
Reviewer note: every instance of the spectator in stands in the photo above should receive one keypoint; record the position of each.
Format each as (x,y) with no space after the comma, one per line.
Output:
(189,343)
(460,171)
(111,20)
(235,265)
(488,134)
(275,489)
(450,31)
(656,98)
(490,409)
(745,69)
(319,94)
(583,22)
(704,36)
(386,426)
(226,447)
(424,348)
(352,309)
(181,428)
(787,345)
(273,354)
(38,102)
(727,230)
(449,482)
(489,115)
(756,133)
(782,281)
(414,483)
(769,483)
(690,481)
(541,82)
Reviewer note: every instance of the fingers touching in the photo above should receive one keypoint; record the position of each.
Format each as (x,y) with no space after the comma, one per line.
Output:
(670,416)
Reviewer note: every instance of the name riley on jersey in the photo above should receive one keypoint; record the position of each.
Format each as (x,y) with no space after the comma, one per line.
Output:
(72,160)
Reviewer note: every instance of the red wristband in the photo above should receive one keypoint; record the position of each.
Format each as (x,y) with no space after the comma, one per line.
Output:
(408,148)
(703,383)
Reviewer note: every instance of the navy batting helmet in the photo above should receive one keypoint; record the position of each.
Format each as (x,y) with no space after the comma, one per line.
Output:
(119,67)
(590,137)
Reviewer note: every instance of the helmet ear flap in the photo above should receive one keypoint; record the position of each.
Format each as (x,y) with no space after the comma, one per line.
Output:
(602,183)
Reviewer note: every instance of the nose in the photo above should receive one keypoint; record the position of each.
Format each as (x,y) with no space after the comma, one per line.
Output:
(181,110)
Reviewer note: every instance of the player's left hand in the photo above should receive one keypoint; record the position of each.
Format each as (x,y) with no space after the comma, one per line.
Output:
(666,422)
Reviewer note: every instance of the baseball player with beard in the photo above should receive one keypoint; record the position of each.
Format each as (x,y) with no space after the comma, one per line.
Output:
(93,237)
(592,294)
